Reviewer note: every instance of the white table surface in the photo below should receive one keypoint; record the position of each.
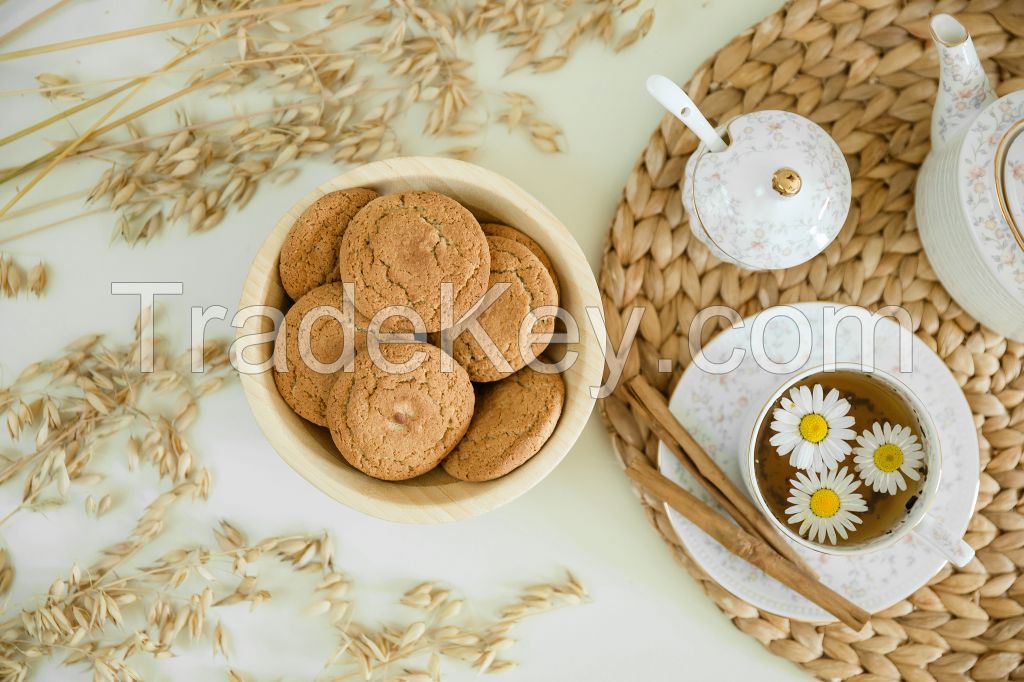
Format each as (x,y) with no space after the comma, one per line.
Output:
(647,619)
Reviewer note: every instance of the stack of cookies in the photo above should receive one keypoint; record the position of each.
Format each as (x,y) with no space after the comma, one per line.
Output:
(396,404)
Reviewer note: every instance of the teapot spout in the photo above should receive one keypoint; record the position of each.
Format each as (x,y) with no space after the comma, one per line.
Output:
(964,88)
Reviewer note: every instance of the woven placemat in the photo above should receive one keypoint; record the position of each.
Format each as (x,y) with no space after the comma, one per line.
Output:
(866,71)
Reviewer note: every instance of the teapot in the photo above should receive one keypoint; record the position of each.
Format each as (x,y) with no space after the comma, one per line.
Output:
(767,190)
(969,199)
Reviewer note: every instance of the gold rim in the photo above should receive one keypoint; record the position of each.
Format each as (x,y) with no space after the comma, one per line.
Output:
(998,163)
(940,41)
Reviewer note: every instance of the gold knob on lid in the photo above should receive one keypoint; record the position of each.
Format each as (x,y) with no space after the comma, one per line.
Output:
(786,182)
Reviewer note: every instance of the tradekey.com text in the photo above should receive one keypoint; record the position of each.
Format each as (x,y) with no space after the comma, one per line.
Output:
(259,343)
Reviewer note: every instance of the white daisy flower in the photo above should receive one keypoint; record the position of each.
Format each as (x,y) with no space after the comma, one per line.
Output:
(824,504)
(813,427)
(886,454)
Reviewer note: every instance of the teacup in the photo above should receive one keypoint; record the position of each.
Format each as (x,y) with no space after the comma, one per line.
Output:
(916,520)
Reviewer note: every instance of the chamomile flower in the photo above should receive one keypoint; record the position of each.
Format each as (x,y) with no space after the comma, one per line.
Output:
(885,455)
(813,428)
(825,505)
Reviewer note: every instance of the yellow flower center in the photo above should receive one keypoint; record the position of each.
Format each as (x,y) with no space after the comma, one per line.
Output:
(813,427)
(824,503)
(888,458)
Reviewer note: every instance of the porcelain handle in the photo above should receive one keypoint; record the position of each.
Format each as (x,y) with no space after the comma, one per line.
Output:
(935,535)
(679,104)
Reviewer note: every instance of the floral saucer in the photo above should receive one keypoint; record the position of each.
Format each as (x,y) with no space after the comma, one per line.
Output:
(711,406)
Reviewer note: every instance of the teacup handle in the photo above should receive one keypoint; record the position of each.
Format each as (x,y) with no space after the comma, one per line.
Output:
(935,535)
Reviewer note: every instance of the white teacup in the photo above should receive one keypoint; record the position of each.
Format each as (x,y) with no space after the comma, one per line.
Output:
(924,527)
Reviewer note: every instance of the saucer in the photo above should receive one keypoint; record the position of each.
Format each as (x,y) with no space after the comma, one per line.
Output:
(711,406)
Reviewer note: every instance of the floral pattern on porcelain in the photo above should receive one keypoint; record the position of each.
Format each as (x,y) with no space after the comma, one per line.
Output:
(710,406)
(695,225)
(964,90)
(735,212)
(1013,185)
(979,197)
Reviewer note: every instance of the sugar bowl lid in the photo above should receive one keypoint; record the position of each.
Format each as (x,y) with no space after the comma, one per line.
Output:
(776,196)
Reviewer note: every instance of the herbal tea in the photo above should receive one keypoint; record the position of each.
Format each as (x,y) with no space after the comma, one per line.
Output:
(840,459)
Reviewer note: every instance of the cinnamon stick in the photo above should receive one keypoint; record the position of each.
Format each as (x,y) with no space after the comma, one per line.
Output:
(748,547)
(652,404)
(718,495)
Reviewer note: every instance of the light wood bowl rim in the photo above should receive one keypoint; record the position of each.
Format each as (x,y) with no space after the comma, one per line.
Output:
(434,497)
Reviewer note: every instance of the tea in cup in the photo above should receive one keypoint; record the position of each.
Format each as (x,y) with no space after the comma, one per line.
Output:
(847,462)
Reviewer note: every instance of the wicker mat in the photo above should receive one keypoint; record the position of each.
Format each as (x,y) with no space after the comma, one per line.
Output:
(866,71)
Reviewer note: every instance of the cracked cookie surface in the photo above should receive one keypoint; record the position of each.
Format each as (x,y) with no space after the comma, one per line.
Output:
(531,287)
(514,418)
(499,230)
(304,388)
(398,426)
(309,255)
(399,249)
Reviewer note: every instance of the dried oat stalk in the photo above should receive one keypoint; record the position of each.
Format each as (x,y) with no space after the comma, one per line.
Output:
(520,113)
(337,79)
(65,408)
(101,618)
(104,617)
(57,87)
(436,632)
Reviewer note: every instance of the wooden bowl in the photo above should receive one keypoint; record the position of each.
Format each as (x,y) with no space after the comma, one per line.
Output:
(435,496)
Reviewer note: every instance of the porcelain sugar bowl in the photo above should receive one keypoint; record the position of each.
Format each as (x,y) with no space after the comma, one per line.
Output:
(970,191)
(772,194)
